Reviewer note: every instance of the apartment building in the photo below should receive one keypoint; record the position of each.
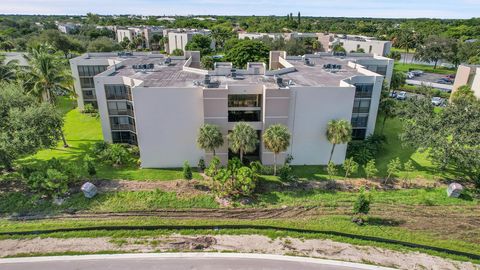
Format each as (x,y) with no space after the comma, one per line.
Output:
(468,75)
(146,32)
(328,41)
(178,39)
(67,28)
(159,102)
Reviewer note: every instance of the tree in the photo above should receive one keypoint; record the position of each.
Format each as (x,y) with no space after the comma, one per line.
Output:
(220,35)
(247,51)
(103,44)
(209,137)
(370,169)
(177,52)
(331,170)
(89,164)
(276,139)
(387,108)
(18,135)
(408,168)
(8,70)
(405,39)
(338,132)
(395,55)
(350,167)
(362,205)
(243,139)
(58,41)
(7,46)
(463,93)
(187,171)
(338,48)
(433,49)
(393,167)
(398,80)
(207,62)
(200,43)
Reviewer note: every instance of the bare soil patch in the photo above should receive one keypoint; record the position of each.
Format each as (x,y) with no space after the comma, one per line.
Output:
(237,243)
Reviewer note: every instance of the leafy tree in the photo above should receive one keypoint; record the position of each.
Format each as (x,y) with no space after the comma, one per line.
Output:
(187,171)
(207,62)
(276,139)
(387,108)
(115,155)
(243,139)
(393,167)
(220,35)
(26,126)
(350,167)
(247,51)
(8,70)
(362,204)
(213,167)
(51,183)
(408,168)
(209,137)
(433,49)
(370,169)
(200,43)
(398,80)
(338,48)
(103,44)
(201,164)
(463,93)
(177,52)
(338,132)
(58,41)
(395,55)
(331,170)
(89,164)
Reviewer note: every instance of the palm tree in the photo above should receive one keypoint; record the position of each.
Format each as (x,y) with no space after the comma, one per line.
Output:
(276,139)
(209,137)
(338,132)
(387,108)
(243,139)
(48,76)
(8,70)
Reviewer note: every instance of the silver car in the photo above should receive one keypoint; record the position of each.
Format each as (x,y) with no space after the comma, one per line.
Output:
(437,101)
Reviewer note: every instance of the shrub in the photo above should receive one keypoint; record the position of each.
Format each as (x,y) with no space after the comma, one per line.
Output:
(362,204)
(50,183)
(256,167)
(363,151)
(201,164)
(331,170)
(187,171)
(88,108)
(99,147)
(370,169)
(89,165)
(235,180)
(113,154)
(286,174)
(213,167)
(350,167)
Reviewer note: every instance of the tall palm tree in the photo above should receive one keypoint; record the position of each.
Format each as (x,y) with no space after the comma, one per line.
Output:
(243,139)
(209,137)
(338,132)
(388,109)
(8,69)
(48,76)
(276,139)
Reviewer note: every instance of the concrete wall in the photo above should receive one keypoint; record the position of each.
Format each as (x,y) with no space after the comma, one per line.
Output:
(215,105)
(310,110)
(370,46)
(167,122)
(468,75)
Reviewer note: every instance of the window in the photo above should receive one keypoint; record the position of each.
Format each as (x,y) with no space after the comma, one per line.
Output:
(88,94)
(120,108)
(363,90)
(118,91)
(359,121)
(244,100)
(87,83)
(90,71)
(247,116)
(382,70)
(359,134)
(122,123)
(124,137)
(361,106)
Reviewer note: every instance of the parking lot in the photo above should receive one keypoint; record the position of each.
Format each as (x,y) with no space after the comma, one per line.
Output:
(428,77)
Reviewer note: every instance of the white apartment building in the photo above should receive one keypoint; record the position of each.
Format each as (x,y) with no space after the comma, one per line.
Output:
(146,32)
(67,28)
(178,39)
(159,102)
(349,42)
(468,75)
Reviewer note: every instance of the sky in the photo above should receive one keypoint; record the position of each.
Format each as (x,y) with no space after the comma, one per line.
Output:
(331,8)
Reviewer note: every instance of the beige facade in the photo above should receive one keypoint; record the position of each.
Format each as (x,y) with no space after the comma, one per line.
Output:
(159,102)
(468,75)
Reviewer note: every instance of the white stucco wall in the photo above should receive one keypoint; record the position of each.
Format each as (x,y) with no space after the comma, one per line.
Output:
(310,110)
(167,122)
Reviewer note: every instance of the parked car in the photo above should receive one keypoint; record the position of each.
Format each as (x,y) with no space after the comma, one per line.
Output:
(410,75)
(417,72)
(437,101)
(444,81)
(451,76)
(402,95)
(393,94)
(447,65)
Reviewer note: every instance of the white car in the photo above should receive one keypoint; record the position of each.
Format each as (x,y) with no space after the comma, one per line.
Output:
(410,75)
(417,72)
(402,95)
(437,101)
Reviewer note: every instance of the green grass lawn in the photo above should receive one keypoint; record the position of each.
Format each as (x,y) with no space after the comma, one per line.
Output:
(402,67)
(400,50)
(82,131)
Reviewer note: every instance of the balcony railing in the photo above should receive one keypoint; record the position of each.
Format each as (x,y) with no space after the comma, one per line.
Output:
(118,97)
(123,127)
(361,110)
(120,112)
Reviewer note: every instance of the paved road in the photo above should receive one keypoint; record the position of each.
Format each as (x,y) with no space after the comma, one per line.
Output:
(179,261)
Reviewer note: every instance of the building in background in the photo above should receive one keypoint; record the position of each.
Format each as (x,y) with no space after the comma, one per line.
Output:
(468,75)
(146,33)
(178,38)
(68,28)
(159,102)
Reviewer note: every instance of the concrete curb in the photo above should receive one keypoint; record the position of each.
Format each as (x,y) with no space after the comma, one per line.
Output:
(209,255)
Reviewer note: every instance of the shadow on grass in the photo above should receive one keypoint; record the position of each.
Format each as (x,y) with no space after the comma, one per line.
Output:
(385,221)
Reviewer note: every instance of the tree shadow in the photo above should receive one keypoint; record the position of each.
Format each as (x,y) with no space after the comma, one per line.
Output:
(378,221)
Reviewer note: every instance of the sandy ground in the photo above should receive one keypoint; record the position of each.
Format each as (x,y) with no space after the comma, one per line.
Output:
(240,243)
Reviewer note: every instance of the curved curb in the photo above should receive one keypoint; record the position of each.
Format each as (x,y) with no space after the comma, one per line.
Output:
(195,256)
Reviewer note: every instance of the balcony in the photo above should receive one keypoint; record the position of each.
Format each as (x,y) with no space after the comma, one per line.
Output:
(118,97)
(244,116)
(129,127)
(121,112)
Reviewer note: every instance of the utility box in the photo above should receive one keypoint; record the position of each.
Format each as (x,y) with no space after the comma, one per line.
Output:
(89,190)
(454,190)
